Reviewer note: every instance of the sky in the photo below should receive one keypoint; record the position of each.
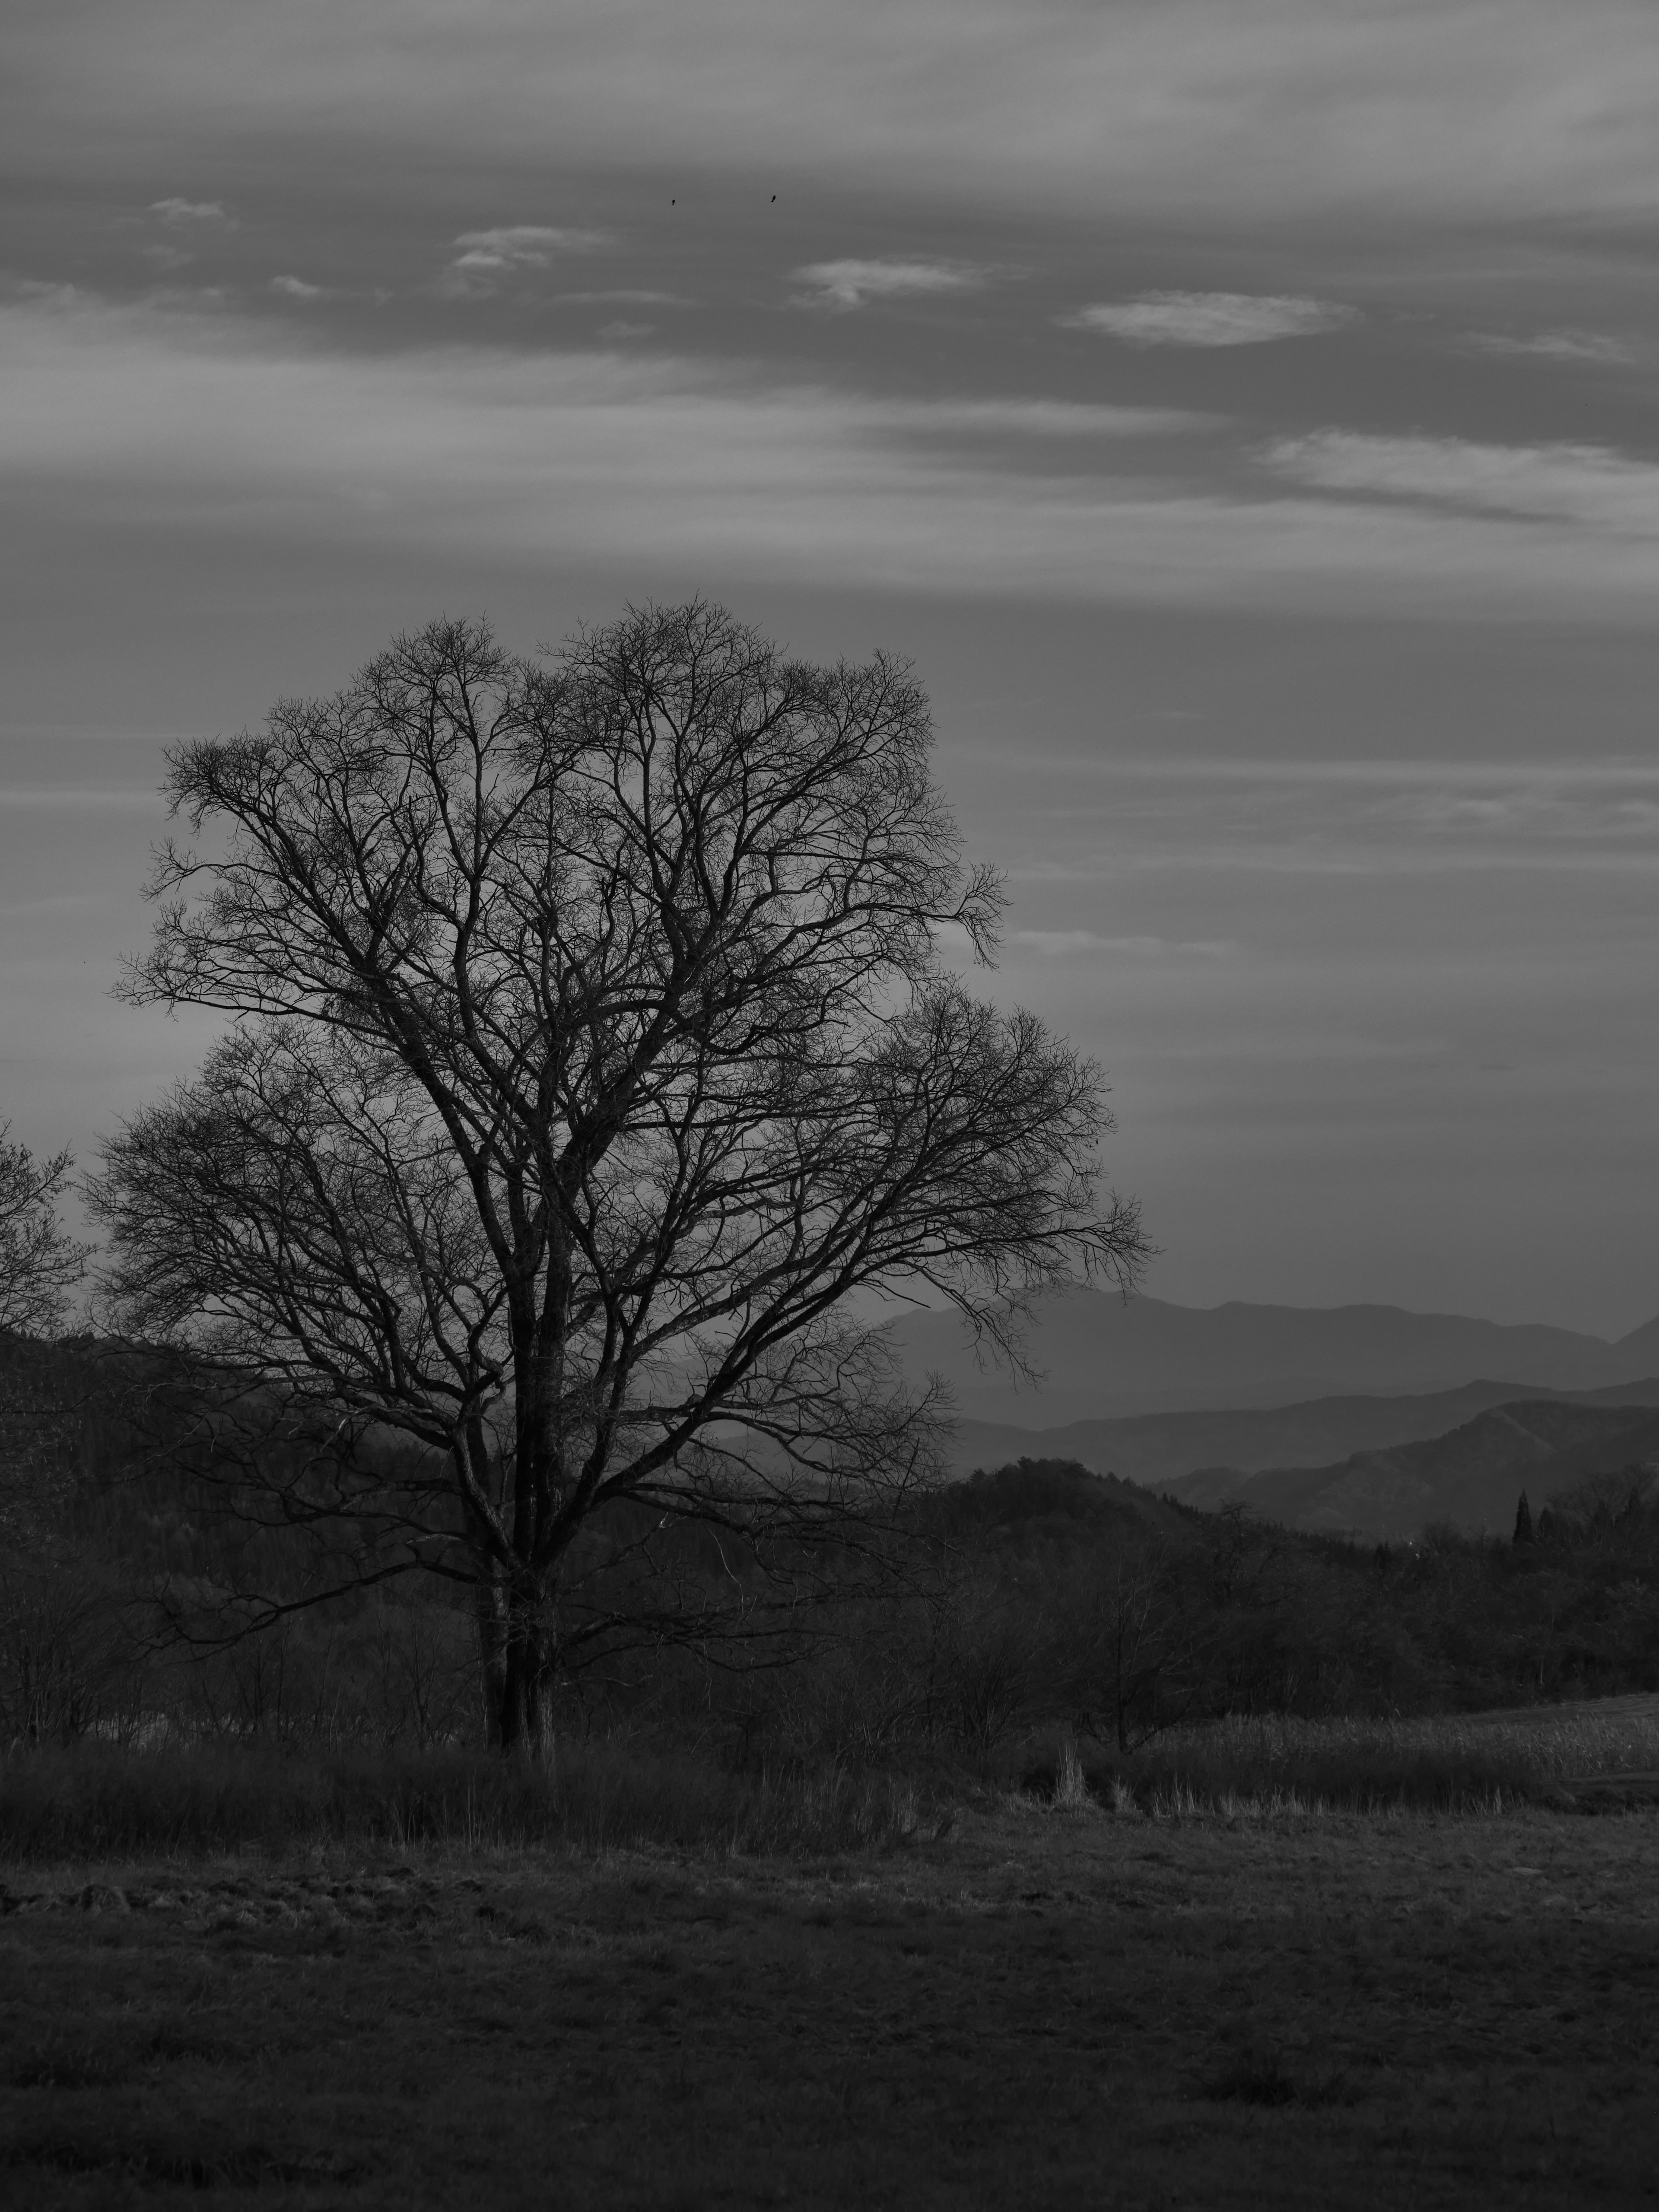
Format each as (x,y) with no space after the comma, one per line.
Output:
(1242,411)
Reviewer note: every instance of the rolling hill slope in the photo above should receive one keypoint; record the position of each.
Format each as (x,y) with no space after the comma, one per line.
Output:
(1471,1476)
(1158,1449)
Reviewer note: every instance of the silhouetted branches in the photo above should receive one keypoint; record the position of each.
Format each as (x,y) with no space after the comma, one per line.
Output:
(40,1262)
(595,1077)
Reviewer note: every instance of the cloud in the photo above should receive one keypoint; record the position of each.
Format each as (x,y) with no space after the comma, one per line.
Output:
(1065,944)
(520,246)
(295,288)
(1592,486)
(621,296)
(621,330)
(1556,345)
(1387,775)
(852,283)
(1201,109)
(1383,818)
(1211,318)
(1042,418)
(252,433)
(184,212)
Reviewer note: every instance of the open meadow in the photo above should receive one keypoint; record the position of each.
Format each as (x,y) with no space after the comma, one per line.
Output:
(881,1996)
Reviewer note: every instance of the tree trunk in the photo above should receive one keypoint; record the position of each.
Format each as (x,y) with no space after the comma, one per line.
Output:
(528,1676)
(492,1651)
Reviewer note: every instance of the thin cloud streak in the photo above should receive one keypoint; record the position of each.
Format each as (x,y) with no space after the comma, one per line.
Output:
(1386,820)
(1067,944)
(1579,483)
(1224,109)
(1042,418)
(522,246)
(847,284)
(1211,318)
(1208,770)
(1567,345)
(622,295)
(177,212)
(589,456)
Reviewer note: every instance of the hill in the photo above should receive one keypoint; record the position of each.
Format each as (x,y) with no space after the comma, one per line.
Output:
(1470,1477)
(1049,1500)
(1102,1357)
(1158,1449)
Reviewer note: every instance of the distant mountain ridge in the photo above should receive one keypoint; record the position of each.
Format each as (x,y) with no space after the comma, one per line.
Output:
(1105,1358)
(1471,1476)
(1158,1450)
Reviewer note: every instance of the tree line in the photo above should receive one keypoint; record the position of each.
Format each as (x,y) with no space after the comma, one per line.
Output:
(1033,1597)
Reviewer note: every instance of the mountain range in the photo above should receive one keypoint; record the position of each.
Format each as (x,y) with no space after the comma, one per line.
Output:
(1160,1450)
(1471,1476)
(1100,1357)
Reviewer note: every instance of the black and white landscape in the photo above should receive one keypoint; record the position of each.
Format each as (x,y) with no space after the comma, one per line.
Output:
(1363,1421)
(829,1038)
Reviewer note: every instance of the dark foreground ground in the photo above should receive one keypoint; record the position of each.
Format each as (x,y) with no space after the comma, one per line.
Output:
(1040,2009)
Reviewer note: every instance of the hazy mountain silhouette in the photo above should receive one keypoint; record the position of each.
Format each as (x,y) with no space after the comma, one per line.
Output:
(1471,1477)
(1156,1449)
(1102,1357)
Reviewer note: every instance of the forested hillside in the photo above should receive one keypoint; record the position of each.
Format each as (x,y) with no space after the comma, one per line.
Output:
(148,1591)
(1469,1478)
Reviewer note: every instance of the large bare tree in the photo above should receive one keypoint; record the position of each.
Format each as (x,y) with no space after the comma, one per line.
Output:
(594,1074)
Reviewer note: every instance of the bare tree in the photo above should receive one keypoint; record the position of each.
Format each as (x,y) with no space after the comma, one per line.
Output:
(39,1261)
(592,1049)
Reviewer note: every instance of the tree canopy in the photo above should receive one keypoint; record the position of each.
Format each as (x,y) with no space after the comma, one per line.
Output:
(594,1074)
(39,1261)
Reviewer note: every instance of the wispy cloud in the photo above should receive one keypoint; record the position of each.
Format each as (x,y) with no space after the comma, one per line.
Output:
(484,256)
(1037,418)
(1201,108)
(622,295)
(295,288)
(1211,318)
(1068,944)
(713,470)
(1590,486)
(1556,345)
(181,213)
(846,284)
(1213,772)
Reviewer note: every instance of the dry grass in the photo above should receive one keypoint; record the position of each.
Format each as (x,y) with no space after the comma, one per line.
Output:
(643,1983)
(1046,2009)
(1476,1762)
(96,1802)
(92,1801)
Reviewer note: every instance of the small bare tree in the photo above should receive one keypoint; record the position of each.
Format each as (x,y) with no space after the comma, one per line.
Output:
(40,1262)
(591,1050)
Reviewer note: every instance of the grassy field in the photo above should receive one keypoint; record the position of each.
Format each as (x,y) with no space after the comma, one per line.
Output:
(1596,1753)
(1035,2007)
